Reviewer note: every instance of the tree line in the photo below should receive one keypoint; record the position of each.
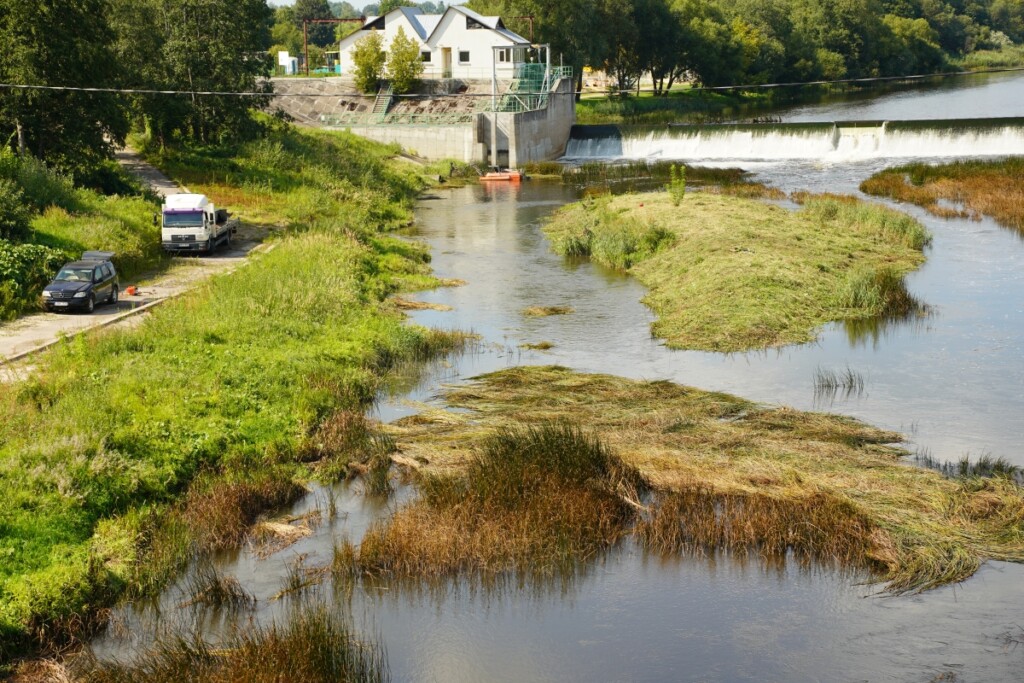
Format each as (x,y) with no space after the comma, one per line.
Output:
(191,45)
(733,42)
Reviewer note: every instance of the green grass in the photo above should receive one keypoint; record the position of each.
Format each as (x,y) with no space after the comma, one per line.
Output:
(727,475)
(679,105)
(732,274)
(233,381)
(1007,57)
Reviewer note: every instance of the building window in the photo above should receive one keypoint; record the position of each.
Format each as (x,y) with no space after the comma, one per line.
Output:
(505,55)
(463,56)
(425,56)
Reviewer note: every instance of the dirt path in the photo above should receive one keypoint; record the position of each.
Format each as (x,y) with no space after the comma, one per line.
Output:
(21,338)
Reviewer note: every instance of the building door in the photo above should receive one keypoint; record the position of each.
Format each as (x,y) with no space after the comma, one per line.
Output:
(446,62)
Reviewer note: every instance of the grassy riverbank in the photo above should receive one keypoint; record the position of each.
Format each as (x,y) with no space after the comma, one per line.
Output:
(54,222)
(727,475)
(128,450)
(679,105)
(961,189)
(732,274)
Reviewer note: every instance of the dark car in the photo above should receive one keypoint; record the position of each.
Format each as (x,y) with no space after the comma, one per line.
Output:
(80,285)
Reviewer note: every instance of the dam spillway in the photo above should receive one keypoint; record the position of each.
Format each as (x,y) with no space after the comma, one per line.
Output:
(836,141)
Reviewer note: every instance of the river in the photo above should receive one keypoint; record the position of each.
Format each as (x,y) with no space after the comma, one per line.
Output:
(953,382)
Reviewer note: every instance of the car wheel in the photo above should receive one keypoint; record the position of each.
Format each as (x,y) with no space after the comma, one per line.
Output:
(113,295)
(90,304)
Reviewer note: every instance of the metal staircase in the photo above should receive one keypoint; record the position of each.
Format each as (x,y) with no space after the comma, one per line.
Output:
(383,101)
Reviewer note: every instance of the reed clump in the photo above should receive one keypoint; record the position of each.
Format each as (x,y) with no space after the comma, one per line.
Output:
(208,587)
(699,520)
(992,188)
(222,513)
(733,476)
(313,646)
(734,274)
(545,311)
(536,500)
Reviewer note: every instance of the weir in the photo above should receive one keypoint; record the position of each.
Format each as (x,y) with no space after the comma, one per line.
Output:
(828,141)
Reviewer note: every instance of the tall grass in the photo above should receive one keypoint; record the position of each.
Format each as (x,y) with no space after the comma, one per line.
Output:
(993,188)
(313,645)
(536,500)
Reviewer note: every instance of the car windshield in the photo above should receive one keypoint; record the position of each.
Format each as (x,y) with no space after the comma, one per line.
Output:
(190,219)
(76,274)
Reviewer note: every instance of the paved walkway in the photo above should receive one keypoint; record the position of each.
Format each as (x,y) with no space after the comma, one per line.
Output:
(20,338)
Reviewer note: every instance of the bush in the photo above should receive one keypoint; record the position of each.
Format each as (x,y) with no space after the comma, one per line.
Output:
(24,270)
(676,184)
(14,213)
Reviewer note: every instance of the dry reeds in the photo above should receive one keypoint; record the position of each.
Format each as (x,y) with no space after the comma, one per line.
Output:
(220,515)
(699,520)
(729,475)
(313,646)
(208,587)
(536,500)
(543,311)
(993,188)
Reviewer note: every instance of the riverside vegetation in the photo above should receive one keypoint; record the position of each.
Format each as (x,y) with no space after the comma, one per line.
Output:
(728,273)
(962,189)
(509,483)
(127,452)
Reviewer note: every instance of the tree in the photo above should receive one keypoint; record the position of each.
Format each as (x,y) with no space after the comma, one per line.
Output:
(369,59)
(318,34)
(285,34)
(55,43)
(211,45)
(404,66)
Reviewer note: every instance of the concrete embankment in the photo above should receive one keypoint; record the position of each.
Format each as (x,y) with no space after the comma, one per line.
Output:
(450,126)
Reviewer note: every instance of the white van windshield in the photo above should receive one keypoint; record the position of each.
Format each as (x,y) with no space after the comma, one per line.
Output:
(189,219)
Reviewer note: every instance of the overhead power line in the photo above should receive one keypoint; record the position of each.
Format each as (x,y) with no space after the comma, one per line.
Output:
(752,86)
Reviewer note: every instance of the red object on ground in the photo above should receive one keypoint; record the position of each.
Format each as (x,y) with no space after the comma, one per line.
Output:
(507,176)
(131,290)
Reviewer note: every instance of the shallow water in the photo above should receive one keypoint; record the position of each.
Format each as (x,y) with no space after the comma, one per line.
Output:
(952,382)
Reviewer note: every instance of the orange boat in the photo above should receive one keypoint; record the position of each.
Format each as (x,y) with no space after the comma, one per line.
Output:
(508,175)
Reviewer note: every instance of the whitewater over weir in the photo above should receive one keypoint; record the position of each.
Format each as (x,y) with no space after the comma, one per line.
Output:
(832,142)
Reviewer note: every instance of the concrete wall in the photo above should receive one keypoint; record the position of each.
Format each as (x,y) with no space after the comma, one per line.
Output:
(431,142)
(517,139)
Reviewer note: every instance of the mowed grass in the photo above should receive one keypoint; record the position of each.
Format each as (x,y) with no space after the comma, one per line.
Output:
(726,475)
(960,189)
(126,449)
(731,274)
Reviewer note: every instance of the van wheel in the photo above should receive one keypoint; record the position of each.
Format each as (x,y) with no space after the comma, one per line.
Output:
(113,295)
(90,304)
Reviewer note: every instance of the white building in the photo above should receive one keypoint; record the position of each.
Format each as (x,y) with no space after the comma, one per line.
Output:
(457,44)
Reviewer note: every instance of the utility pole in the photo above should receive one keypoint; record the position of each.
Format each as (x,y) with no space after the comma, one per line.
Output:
(527,17)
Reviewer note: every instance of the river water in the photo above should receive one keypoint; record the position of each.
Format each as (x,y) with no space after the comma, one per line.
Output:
(953,382)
